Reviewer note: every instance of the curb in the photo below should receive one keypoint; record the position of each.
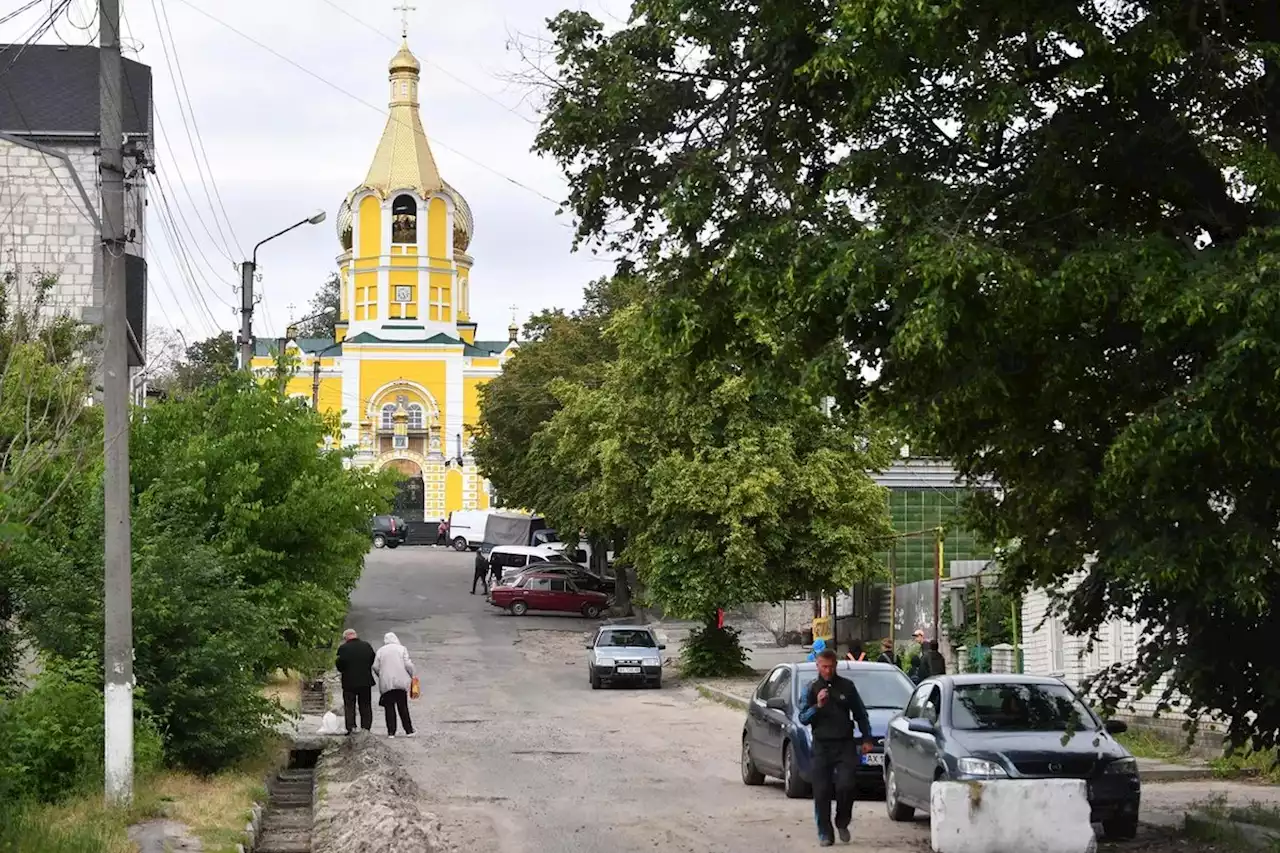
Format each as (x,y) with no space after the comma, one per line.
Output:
(715,694)
(1188,774)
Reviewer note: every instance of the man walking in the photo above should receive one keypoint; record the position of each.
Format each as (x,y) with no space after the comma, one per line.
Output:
(830,707)
(481,575)
(355,665)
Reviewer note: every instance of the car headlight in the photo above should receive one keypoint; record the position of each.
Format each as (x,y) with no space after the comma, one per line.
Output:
(653,662)
(1123,767)
(980,767)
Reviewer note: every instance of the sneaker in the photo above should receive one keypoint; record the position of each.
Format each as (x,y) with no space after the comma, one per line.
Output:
(410,734)
(390,735)
(824,841)
(843,832)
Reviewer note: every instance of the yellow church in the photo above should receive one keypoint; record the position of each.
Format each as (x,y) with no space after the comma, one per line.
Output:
(405,367)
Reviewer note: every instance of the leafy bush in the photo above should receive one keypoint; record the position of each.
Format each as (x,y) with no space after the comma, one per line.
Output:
(712,652)
(51,737)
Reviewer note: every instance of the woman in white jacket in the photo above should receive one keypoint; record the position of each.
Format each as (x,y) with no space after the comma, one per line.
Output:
(394,671)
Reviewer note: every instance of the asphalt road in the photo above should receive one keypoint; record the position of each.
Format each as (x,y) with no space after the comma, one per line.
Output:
(517,754)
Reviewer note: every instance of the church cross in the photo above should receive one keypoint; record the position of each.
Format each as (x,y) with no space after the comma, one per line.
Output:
(514,309)
(404,9)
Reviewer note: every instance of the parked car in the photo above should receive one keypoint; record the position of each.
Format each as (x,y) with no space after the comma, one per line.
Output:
(466,527)
(581,577)
(775,742)
(513,559)
(985,727)
(538,591)
(624,654)
(389,531)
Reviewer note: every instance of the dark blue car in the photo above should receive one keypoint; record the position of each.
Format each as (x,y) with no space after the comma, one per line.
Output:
(775,742)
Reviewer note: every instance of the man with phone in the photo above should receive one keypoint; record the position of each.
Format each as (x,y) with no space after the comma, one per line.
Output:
(830,707)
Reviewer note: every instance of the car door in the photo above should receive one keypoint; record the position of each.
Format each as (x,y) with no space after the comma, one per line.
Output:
(922,753)
(563,596)
(757,725)
(538,593)
(773,731)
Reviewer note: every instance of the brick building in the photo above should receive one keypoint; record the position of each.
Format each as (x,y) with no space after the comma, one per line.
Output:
(49,197)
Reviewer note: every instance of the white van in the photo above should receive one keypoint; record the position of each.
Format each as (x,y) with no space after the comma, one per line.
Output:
(466,527)
(512,559)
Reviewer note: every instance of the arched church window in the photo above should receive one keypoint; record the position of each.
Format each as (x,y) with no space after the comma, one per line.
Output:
(416,418)
(404,219)
(388,416)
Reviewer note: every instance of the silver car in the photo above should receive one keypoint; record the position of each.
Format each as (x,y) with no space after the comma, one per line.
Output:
(624,654)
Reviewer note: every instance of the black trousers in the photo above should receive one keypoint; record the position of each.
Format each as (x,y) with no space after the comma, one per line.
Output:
(396,700)
(481,577)
(363,696)
(835,764)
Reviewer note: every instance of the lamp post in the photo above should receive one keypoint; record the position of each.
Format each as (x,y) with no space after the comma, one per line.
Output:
(247,271)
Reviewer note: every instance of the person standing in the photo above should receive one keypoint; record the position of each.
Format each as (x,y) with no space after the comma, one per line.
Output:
(355,664)
(886,652)
(442,532)
(394,671)
(856,652)
(934,663)
(830,707)
(495,571)
(915,657)
(481,575)
(819,646)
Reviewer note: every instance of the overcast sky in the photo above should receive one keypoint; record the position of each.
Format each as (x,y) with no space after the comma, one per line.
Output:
(282,143)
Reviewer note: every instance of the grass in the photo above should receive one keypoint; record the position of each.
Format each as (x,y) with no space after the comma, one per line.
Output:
(1144,744)
(214,808)
(285,689)
(1246,762)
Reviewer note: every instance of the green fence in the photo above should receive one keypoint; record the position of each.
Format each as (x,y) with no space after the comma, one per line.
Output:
(915,510)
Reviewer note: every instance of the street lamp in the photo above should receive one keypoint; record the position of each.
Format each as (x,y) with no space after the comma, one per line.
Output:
(247,271)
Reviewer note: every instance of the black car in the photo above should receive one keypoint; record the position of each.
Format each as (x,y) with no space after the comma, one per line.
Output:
(988,727)
(389,531)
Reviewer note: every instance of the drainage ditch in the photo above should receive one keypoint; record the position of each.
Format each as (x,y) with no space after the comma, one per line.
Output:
(287,819)
(314,697)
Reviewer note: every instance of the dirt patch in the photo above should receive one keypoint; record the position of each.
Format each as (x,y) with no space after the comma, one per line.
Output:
(164,836)
(556,647)
(368,804)
(741,687)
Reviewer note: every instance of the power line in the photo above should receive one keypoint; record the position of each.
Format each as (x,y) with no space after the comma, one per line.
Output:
(361,100)
(434,64)
(176,78)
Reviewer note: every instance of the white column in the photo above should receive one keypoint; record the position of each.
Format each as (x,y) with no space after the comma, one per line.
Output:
(353,409)
(453,403)
(384,262)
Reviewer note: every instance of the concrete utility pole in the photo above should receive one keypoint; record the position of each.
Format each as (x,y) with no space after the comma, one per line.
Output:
(247,271)
(117,570)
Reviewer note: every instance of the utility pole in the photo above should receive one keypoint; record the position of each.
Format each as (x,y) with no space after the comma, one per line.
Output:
(117,571)
(315,384)
(247,270)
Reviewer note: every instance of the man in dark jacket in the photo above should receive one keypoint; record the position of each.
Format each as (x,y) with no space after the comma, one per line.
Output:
(482,573)
(886,653)
(934,663)
(355,665)
(830,707)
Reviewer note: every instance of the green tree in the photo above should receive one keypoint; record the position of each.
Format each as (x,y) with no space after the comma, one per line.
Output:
(1050,229)
(206,363)
(323,311)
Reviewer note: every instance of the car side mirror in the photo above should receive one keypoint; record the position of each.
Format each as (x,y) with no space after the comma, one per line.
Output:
(1116,727)
(921,726)
(588,646)
(777,703)
(662,647)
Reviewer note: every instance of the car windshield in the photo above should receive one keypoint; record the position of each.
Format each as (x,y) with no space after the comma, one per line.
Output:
(1018,708)
(632,639)
(879,688)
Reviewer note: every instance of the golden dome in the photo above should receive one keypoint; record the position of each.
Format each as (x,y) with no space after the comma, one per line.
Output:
(345,224)
(464,223)
(405,61)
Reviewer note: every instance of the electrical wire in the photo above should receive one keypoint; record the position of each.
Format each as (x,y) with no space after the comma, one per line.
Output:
(361,100)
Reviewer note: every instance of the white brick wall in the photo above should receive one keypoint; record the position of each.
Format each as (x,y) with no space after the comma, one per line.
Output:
(45,228)
(1049,650)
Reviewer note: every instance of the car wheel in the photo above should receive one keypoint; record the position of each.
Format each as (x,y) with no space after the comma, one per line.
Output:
(792,785)
(392,544)
(460,544)
(750,774)
(1121,828)
(897,811)
(519,608)
(379,541)
(591,611)
(595,679)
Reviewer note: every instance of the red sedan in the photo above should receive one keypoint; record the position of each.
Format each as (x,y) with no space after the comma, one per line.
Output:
(552,592)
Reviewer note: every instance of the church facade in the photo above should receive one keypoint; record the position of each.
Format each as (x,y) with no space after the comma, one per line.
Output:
(405,367)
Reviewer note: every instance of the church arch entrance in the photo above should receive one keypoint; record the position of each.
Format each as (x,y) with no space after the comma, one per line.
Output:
(411,492)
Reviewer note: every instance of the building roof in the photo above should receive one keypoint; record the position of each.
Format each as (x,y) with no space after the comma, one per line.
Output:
(310,346)
(434,340)
(493,347)
(52,90)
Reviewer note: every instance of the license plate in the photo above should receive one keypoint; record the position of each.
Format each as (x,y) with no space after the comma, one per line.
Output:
(875,759)
(629,670)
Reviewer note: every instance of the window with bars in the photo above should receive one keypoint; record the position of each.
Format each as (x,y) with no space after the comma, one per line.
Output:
(417,418)
(388,416)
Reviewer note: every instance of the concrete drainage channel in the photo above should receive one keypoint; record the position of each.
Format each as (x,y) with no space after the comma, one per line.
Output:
(287,819)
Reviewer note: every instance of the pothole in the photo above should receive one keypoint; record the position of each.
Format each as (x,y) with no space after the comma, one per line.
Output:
(287,819)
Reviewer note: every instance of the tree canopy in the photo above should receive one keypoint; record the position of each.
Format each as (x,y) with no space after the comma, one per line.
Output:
(323,310)
(1042,235)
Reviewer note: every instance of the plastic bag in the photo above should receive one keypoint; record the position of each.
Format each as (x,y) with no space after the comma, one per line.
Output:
(331,724)
(415,688)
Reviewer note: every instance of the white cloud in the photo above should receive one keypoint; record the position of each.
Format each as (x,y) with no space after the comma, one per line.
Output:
(282,143)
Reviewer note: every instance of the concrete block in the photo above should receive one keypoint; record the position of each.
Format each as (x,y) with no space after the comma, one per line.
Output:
(1011,816)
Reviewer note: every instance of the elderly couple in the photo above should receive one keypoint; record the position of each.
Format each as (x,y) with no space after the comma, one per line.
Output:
(361,668)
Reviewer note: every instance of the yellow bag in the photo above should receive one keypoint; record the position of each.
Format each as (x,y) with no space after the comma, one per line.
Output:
(415,688)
